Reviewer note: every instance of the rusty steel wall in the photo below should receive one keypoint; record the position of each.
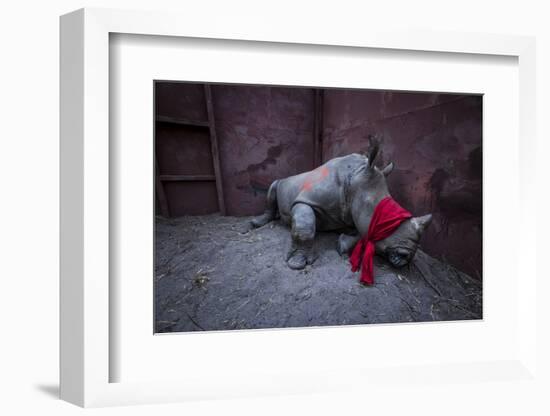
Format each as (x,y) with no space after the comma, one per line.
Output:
(434,141)
(264,133)
(184,149)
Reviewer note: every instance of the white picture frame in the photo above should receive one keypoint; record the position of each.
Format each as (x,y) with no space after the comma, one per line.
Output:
(85,211)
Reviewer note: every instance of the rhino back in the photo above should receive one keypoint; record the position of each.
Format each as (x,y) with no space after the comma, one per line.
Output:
(322,189)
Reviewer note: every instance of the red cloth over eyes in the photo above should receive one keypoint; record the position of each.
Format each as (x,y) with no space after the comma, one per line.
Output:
(387,216)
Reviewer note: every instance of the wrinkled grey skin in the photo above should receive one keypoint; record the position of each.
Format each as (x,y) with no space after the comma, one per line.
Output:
(339,195)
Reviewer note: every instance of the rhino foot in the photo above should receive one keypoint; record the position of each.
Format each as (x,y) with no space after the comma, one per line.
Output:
(298,258)
(297,261)
(346,243)
(261,220)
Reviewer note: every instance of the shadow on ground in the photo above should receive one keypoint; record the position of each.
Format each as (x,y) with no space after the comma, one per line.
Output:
(215,273)
(51,390)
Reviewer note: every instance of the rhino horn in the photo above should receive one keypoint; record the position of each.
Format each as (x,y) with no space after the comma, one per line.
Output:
(420,223)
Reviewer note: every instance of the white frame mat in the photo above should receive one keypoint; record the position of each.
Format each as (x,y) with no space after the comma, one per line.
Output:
(86,357)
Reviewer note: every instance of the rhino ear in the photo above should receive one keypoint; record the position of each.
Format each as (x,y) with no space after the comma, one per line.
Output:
(421,223)
(374,146)
(388,169)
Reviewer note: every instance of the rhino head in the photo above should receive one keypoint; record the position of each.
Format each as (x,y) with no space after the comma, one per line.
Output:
(367,187)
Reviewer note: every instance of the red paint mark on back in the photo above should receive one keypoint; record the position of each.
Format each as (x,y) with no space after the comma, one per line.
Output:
(315,177)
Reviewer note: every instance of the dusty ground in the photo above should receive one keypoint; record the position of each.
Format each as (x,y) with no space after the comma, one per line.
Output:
(215,273)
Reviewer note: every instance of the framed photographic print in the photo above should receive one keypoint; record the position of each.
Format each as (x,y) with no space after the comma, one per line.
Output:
(279,213)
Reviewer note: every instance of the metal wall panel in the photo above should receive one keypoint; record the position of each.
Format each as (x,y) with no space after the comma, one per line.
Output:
(265,133)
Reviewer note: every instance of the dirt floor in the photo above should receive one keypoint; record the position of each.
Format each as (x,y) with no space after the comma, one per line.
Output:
(216,273)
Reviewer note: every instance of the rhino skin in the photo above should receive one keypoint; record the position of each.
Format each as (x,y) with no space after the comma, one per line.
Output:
(341,195)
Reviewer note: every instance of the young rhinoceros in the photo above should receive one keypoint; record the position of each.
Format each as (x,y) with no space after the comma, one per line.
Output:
(339,195)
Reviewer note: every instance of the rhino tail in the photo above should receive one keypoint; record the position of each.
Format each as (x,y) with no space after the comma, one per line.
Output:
(271,207)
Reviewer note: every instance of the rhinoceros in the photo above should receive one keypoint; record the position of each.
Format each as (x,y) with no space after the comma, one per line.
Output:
(339,195)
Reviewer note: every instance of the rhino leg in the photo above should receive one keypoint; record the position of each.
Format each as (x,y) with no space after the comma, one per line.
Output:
(303,233)
(270,212)
(346,243)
